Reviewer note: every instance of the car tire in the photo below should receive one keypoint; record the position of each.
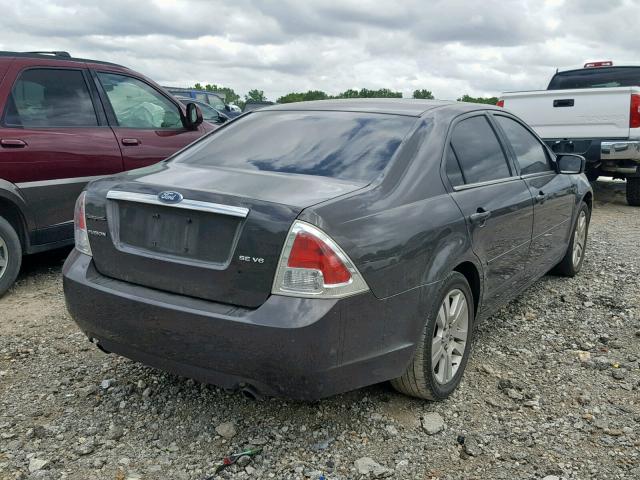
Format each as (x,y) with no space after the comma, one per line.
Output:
(633,191)
(428,376)
(592,175)
(572,261)
(10,255)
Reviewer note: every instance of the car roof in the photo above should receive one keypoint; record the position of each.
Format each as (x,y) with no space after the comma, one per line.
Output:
(57,56)
(573,68)
(397,106)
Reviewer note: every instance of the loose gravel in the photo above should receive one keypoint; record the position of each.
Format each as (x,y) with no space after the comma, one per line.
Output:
(551,392)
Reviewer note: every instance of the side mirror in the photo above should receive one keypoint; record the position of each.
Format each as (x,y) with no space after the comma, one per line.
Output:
(194,116)
(222,117)
(570,163)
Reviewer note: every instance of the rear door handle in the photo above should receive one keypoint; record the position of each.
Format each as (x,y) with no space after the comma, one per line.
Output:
(480,217)
(541,197)
(130,141)
(12,143)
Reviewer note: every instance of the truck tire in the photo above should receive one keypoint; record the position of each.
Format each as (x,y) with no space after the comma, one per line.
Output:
(572,261)
(10,255)
(633,191)
(592,175)
(434,374)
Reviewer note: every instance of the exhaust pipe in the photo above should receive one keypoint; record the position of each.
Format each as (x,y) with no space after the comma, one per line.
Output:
(96,342)
(251,393)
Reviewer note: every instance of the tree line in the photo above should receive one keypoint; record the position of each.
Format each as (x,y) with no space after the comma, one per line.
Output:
(257,95)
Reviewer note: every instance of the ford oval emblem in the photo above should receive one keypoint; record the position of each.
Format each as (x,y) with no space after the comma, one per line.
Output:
(170,197)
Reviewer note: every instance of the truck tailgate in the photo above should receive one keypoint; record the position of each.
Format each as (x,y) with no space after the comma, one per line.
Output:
(583,113)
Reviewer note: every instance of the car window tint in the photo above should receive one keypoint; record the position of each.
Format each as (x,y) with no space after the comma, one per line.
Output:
(344,145)
(530,153)
(453,168)
(478,151)
(50,98)
(138,105)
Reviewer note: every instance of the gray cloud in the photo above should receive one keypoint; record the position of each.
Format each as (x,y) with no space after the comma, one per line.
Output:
(448,46)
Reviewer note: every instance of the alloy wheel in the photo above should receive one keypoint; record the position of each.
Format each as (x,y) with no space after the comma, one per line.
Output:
(450,335)
(4,257)
(579,238)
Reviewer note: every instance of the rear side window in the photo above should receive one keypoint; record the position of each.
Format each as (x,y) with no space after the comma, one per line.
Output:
(530,153)
(46,97)
(596,78)
(478,151)
(454,172)
(351,146)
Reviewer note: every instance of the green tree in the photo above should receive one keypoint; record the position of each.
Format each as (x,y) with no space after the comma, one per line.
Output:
(366,93)
(423,93)
(486,100)
(303,97)
(255,95)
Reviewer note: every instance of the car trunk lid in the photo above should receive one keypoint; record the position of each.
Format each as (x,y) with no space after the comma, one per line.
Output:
(220,242)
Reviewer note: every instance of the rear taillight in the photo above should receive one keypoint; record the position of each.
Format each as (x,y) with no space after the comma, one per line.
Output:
(634,116)
(500,103)
(313,265)
(80,225)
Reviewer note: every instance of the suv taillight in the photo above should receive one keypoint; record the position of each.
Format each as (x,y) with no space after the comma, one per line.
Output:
(313,265)
(634,117)
(500,103)
(80,225)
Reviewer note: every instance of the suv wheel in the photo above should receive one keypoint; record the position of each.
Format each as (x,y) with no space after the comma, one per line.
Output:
(10,255)
(443,349)
(633,191)
(572,261)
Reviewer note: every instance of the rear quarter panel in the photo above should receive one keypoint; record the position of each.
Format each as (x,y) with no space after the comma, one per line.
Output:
(406,231)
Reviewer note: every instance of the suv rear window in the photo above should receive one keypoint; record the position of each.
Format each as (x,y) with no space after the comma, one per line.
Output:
(344,145)
(47,97)
(596,78)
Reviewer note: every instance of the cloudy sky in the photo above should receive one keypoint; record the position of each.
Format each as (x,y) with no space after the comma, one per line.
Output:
(450,47)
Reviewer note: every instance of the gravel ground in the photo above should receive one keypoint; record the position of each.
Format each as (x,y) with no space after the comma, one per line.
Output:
(551,391)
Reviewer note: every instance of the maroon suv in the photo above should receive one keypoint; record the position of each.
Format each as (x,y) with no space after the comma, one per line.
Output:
(65,121)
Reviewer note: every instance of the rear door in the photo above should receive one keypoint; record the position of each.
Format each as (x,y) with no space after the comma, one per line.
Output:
(494,200)
(53,139)
(147,123)
(553,193)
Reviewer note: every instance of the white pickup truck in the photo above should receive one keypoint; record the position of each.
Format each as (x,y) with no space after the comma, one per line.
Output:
(592,110)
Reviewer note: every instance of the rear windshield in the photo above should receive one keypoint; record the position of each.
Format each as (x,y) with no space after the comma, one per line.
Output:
(344,145)
(596,78)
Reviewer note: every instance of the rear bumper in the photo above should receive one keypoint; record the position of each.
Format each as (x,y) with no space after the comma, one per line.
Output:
(299,348)
(615,156)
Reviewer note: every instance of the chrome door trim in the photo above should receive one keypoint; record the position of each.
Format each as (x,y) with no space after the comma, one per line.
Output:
(186,204)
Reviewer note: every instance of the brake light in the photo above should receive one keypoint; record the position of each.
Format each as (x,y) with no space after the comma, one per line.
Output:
(80,226)
(605,63)
(313,265)
(500,103)
(634,117)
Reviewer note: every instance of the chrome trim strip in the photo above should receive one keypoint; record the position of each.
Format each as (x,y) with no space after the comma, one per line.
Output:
(468,186)
(187,204)
(58,181)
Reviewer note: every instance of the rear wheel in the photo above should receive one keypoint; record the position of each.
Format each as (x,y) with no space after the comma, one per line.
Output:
(633,191)
(445,342)
(10,255)
(571,263)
